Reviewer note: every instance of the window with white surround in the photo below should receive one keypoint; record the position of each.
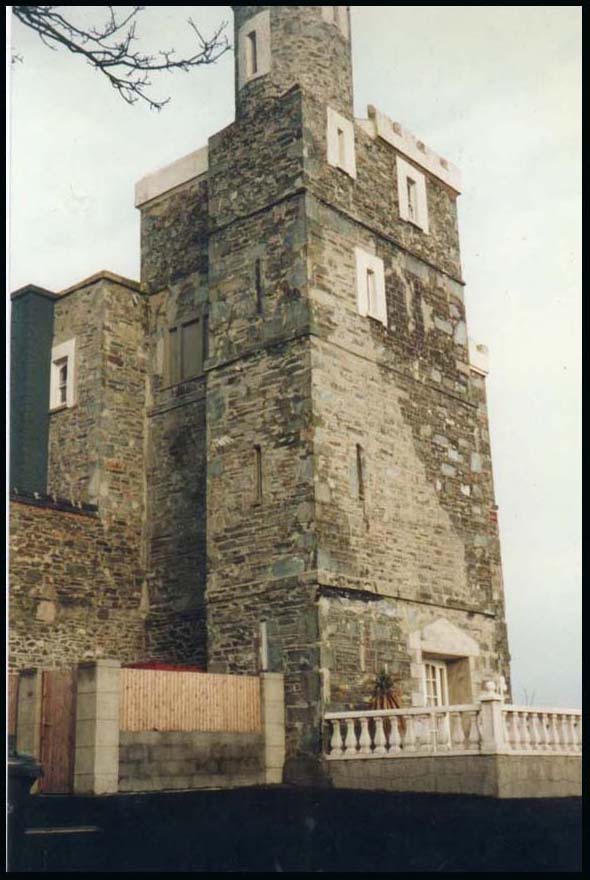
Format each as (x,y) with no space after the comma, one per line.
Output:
(337,15)
(436,689)
(370,286)
(61,390)
(254,48)
(411,187)
(340,139)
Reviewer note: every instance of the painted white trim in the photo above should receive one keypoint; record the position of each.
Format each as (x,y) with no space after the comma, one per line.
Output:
(365,263)
(338,123)
(64,351)
(406,172)
(164,179)
(260,25)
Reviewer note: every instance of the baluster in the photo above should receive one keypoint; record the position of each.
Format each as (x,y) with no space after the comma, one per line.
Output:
(426,740)
(565,733)
(336,740)
(409,741)
(515,731)
(545,732)
(395,739)
(457,732)
(350,740)
(554,733)
(365,737)
(474,738)
(443,732)
(534,731)
(573,733)
(380,739)
(506,728)
(579,729)
(524,731)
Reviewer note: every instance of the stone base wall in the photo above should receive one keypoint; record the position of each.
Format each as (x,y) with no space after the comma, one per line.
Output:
(502,776)
(157,761)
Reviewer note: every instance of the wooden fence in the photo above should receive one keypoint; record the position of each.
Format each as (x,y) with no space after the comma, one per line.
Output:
(163,700)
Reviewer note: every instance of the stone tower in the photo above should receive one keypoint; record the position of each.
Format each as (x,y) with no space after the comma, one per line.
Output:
(351,523)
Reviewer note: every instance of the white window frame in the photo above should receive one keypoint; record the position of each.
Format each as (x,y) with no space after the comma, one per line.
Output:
(409,175)
(440,681)
(65,352)
(337,15)
(259,26)
(340,142)
(370,269)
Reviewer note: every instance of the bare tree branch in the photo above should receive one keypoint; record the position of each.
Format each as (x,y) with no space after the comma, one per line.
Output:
(109,48)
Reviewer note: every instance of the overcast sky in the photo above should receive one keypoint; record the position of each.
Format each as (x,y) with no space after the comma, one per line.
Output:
(496,90)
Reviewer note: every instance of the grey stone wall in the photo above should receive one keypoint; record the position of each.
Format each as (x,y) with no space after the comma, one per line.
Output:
(157,761)
(75,588)
(504,776)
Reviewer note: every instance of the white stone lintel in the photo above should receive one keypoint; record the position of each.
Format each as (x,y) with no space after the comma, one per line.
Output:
(165,179)
(380,125)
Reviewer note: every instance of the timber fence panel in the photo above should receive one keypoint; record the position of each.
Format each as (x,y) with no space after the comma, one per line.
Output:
(189,701)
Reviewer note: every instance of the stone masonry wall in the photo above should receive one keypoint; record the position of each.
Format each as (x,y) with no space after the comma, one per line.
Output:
(159,761)
(174,271)
(306,51)
(75,588)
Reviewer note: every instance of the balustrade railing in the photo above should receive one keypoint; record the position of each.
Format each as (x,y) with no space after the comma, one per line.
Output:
(486,727)
(392,732)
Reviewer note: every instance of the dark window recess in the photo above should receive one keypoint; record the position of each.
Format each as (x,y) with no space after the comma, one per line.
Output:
(360,472)
(185,351)
(257,475)
(258,286)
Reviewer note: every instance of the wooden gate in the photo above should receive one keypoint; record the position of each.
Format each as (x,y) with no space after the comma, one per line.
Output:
(58,731)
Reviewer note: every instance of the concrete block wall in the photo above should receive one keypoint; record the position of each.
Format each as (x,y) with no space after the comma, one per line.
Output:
(158,761)
(96,765)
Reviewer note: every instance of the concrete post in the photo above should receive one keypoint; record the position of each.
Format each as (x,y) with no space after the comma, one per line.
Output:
(96,766)
(272,698)
(28,713)
(492,726)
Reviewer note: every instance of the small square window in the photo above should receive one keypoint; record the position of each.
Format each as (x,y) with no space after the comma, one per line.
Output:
(370,281)
(411,187)
(340,138)
(61,386)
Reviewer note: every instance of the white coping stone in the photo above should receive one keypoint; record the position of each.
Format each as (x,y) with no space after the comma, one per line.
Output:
(187,168)
(380,125)
(479,357)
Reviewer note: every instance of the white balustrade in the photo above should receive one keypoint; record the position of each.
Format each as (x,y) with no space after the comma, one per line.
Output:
(489,727)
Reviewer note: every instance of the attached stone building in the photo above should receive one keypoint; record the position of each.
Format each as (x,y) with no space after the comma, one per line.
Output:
(275,448)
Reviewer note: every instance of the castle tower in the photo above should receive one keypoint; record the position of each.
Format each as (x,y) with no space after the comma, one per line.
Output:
(351,523)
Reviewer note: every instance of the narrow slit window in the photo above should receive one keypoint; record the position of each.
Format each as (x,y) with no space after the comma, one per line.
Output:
(372,292)
(251,54)
(62,380)
(258,284)
(257,475)
(205,337)
(341,147)
(412,199)
(360,472)
(263,646)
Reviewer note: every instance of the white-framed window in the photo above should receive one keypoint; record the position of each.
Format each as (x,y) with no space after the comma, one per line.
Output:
(370,286)
(337,15)
(254,56)
(61,386)
(436,688)
(340,139)
(411,188)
